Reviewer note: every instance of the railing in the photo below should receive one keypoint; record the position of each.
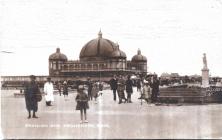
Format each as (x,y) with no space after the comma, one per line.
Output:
(22,78)
(94,70)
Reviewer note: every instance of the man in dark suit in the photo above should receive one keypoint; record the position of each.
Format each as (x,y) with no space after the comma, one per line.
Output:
(155,89)
(31,91)
(113,85)
(90,86)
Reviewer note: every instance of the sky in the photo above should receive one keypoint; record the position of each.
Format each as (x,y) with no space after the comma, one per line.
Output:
(172,34)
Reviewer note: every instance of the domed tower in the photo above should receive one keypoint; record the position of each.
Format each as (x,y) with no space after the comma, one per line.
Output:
(98,49)
(55,62)
(139,62)
(118,59)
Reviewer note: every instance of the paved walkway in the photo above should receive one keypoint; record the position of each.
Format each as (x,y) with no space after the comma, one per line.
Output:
(108,119)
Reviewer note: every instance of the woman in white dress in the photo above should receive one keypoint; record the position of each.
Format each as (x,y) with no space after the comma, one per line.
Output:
(48,90)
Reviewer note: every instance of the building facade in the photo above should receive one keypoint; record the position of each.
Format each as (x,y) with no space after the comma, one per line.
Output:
(99,58)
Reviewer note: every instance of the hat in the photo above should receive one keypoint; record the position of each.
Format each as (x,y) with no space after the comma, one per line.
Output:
(81,87)
(64,82)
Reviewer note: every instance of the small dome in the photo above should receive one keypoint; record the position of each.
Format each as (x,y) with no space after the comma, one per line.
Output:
(117,53)
(97,48)
(58,55)
(139,57)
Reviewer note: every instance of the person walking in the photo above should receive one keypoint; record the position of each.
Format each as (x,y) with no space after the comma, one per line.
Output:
(120,89)
(155,89)
(59,87)
(138,84)
(31,92)
(129,88)
(146,91)
(90,86)
(100,86)
(65,90)
(113,85)
(48,90)
(82,103)
(95,91)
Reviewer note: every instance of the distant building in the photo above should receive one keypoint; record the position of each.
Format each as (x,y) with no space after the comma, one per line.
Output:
(165,76)
(99,58)
(169,76)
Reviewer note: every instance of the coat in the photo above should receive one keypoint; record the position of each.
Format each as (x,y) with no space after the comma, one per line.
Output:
(147,91)
(113,84)
(155,90)
(121,88)
(100,87)
(48,90)
(65,89)
(95,90)
(90,86)
(129,86)
(138,84)
(82,101)
(31,91)
(155,87)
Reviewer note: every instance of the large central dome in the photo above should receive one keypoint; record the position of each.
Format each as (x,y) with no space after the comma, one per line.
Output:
(97,49)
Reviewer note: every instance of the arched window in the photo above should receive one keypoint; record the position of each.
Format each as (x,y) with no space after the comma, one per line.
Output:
(89,66)
(51,65)
(54,65)
(57,65)
(77,66)
(71,66)
(65,67)
(105,66)
(82,66)
(101,66)
(95,66)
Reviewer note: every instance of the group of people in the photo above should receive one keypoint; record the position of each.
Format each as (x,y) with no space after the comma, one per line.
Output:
(150,89)
(94,89)
(49,89)
(32,95)
(63,88)
(119,85)
(147,86)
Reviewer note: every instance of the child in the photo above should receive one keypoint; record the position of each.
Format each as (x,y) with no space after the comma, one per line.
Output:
(82,103)
(95,91)
(59,87)
(100,89)
(65,90)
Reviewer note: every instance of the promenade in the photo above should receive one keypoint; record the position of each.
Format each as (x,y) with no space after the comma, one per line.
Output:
(108,119)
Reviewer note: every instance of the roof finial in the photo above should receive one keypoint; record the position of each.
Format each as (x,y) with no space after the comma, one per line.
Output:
(58,50)
(100,34)
(117,46)
(139,52)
